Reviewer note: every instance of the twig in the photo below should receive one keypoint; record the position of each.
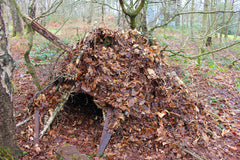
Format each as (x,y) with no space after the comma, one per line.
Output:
(23,122)
(57,109)
(53,7)
(192,154)
(36,127)
(62,25)
(45,88)
(233,63)
(200,55)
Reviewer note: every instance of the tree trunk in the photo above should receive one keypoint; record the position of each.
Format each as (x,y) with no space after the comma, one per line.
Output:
(144,20)
(215,7)
(192,18)
(204,20)
(49,36)
(223,20)
(228,21)
(166,10)
(103,10)
(237,28)
(17,24)
(178,5)
(89,18)
(32,9)
(42,7)
(7,123)
(132,11)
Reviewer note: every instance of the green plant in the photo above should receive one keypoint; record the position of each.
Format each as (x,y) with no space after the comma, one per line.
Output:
(213,100)
(73,136)
(93,155)
(5,154)
(199,62)
(187,77)
(237,84)
(43,52)
(211,63)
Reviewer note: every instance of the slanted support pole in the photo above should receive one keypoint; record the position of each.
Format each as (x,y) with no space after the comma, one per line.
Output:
(48,35)
(106,135)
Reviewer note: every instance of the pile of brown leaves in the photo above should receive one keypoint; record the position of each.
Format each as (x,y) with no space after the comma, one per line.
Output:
(124,71)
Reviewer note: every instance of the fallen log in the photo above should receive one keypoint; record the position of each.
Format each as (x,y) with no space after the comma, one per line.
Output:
(48,35)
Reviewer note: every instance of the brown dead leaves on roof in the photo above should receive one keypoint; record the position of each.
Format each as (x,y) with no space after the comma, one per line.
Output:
(123,70)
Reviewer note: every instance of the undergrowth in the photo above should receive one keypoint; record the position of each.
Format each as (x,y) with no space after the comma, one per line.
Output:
(5,154)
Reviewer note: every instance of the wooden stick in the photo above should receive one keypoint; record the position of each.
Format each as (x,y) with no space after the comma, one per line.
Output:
(23,122)
(36,128)
(192,153)
(48,35)
(57,109)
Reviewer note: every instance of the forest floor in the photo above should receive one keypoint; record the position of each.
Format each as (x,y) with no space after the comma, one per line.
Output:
(213,84)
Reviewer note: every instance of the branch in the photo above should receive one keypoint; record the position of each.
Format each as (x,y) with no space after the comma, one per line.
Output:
(125,11)
(29,47)
(190,12)
(105,4)
(54,6)
(200,55)
(233,63)
(216,50)
(208,12)
(170,20)
(57,109)
(23,122)
(139,8)
(131,12)
(192,154)
(48,35)
(97,2)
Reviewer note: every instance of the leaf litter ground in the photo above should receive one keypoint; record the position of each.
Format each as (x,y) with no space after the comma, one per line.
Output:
(156,115)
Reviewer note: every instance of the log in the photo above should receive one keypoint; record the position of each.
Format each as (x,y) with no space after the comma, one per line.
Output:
(48,35)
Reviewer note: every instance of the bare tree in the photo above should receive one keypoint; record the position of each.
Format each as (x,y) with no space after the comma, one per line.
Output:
(7,123)
(237,33)
(229,19)
(223,20)
(90,15)
(32,9)
(132,10)
(16,20)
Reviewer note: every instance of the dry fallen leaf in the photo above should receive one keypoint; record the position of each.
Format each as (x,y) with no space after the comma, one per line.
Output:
(162,114)
(37,148)
(205,137)
(225,131)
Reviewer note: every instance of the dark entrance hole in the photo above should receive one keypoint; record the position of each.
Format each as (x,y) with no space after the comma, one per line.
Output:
(83,103)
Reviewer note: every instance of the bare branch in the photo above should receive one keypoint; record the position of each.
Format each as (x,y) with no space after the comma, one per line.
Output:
(190,12)
(200,55)
(170,20)
(53,7)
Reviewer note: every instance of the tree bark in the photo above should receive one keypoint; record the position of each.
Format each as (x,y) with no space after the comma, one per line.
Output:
(237,28)
(228,21)
(192,17)
(223,20)
(17,24)
(90,16)
(178,5)
(131,12)
(32,9)
(144,20)
(204,20)
(7,123)
(103,10)
(48,35)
